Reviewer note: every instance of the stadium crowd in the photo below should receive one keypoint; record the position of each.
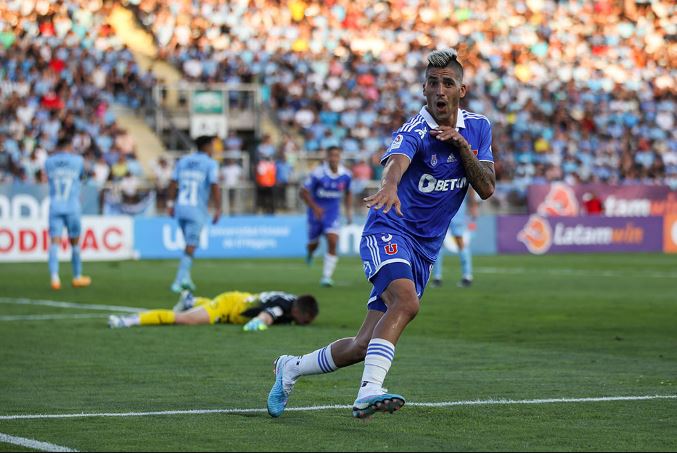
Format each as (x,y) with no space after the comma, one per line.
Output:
(577,91)
(62,69)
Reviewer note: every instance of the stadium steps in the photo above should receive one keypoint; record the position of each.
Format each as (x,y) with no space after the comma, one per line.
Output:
(141,43)
(149,147)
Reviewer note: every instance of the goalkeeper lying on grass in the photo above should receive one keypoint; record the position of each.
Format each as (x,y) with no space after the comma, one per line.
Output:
(255,311)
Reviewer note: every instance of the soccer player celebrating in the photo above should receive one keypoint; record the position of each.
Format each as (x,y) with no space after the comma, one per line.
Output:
(195,176)
(428,166)
(322,192)
(256,311)
(64,172)
(458,227)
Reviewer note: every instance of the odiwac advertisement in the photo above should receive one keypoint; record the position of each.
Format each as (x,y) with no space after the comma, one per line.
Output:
(24,234)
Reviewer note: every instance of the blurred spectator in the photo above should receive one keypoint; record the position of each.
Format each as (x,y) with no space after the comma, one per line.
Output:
(120,168)
(362,174)
(266,147)
(101,172)
(265,184)
(283,174)
(129,186)
(231,175)
(163,175)
(233,142)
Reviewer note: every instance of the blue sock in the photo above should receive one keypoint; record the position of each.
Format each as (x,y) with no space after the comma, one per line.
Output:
(76,261)
(184,268)
(437,269)
(53,260)
(466,262)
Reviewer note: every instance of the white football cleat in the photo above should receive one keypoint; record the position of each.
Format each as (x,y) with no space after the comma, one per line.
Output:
(116,322)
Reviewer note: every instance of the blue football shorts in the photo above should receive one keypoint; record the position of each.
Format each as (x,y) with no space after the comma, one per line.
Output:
(316,228)
(191,230)
(387,257)
(71,221)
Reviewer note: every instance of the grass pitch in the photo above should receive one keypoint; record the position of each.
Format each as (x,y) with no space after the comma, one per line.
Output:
(530,328)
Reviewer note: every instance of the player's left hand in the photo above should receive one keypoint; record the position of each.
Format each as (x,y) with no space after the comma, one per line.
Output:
(255,325)
(450,135)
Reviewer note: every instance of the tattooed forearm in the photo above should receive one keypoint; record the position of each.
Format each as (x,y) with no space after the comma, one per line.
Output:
(481,175)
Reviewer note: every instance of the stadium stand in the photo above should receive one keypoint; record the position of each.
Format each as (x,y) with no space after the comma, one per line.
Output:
(346,72)
(580,92)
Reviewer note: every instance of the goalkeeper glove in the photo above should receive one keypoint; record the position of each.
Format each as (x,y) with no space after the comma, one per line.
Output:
(255,325)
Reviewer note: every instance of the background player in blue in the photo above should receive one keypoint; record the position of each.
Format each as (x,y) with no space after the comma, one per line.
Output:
(428,166)
(322,192)
(195,177)
(458,227)
(64,172)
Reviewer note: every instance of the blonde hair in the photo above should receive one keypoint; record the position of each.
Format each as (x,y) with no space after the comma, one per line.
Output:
(444,58)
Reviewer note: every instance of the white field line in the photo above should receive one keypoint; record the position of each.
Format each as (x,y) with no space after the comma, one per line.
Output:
(490,402)
(32,443)
(51,317)
(59,304)
(574,272)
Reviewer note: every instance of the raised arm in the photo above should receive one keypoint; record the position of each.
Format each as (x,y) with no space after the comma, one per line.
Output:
(387,197)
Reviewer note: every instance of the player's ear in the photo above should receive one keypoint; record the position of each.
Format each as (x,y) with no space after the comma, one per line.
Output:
(462,91)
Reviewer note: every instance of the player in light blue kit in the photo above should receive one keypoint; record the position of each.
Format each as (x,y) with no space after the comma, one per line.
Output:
(64,171)
(195,176)
(322,193)
(458,227)
(432,159)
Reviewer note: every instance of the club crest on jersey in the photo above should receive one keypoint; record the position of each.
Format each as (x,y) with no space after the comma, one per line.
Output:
(475,151)
(433,160)
(391,249)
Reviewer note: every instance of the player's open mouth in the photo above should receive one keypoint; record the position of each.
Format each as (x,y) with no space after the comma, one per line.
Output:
(441,105)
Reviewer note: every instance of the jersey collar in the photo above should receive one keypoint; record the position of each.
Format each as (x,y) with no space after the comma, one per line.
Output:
(327,170)
(460,122)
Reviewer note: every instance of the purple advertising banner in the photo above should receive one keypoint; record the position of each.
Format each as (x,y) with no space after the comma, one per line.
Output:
(539,235)
(559,199)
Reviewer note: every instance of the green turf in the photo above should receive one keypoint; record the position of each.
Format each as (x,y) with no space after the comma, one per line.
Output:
(530,327)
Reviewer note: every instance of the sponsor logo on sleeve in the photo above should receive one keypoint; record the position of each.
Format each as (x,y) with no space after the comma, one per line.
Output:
(397,142)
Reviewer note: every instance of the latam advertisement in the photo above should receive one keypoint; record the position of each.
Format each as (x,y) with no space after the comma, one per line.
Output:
(102,239)
(539,235)
(559,199)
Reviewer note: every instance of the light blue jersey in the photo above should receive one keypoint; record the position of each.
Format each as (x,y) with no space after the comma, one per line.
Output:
(194,175)
(434,186)
(64,171)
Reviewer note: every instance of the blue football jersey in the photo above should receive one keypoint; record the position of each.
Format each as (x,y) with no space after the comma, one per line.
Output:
(434,186)
(64,172)
(328,188)
(194,175)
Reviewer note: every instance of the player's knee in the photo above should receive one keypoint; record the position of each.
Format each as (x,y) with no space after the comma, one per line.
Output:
(407,305)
